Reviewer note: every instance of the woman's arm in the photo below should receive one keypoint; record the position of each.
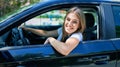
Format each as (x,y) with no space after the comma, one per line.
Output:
(39,32)
(64,48)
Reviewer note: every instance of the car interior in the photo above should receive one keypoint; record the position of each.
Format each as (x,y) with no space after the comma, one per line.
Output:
(89,33)
(19,37)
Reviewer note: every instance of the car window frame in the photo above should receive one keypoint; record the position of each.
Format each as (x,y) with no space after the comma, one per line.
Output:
(93,9)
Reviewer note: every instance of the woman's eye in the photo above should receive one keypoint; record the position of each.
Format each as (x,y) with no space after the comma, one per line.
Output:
(68,19)
(74,21)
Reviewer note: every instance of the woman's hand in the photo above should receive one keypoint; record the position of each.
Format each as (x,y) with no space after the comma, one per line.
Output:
(23,27)
(48,40)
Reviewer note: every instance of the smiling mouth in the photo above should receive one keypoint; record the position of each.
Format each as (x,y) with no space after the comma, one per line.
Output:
(69,29)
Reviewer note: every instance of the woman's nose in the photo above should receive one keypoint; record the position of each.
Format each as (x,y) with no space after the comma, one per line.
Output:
(70,23)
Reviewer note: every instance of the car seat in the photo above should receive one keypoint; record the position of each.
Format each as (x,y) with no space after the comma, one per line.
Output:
(90,28)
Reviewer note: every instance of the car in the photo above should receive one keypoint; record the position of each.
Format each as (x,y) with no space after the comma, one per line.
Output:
(100,47)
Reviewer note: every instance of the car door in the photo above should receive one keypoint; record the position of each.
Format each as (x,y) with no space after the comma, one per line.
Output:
(101,52)
(97,53)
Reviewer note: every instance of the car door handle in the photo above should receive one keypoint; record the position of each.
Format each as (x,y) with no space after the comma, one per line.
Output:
(98,60)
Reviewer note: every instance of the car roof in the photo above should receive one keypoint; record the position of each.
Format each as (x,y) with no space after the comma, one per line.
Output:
(84,0)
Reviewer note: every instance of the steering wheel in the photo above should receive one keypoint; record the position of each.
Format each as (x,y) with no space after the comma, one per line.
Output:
(18,37)
(24,39)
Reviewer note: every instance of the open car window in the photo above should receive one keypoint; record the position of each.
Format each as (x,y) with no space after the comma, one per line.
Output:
(56,18)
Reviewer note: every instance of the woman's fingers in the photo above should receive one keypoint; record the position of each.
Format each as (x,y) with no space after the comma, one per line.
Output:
(47,41)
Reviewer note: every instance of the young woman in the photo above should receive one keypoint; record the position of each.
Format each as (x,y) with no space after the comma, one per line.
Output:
(69,36)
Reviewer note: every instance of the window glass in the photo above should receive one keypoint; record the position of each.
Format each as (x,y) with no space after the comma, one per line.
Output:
(54,17)
(116,13)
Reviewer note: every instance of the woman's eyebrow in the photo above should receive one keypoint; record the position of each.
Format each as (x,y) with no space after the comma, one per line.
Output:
(75,19)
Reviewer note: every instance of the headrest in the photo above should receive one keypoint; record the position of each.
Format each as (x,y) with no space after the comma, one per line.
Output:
(89,20)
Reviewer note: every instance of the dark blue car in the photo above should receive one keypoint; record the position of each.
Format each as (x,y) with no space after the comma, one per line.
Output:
(100,48)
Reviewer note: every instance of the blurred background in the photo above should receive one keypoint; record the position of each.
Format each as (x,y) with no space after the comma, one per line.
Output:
(8,7)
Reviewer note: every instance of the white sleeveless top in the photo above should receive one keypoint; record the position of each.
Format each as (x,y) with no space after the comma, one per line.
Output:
(77,35)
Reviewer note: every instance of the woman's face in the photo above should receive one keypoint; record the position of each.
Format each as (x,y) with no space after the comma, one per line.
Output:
(71,23)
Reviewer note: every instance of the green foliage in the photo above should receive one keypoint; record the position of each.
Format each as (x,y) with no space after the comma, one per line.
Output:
(9,6)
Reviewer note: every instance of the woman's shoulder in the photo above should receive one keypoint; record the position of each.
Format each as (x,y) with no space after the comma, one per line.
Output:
(77,35)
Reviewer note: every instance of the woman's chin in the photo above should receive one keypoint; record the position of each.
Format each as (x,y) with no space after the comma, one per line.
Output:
(69,32)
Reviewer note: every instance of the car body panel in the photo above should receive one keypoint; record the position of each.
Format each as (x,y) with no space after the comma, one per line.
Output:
(85,52)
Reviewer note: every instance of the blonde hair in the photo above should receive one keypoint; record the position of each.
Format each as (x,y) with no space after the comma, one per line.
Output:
(80,15)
